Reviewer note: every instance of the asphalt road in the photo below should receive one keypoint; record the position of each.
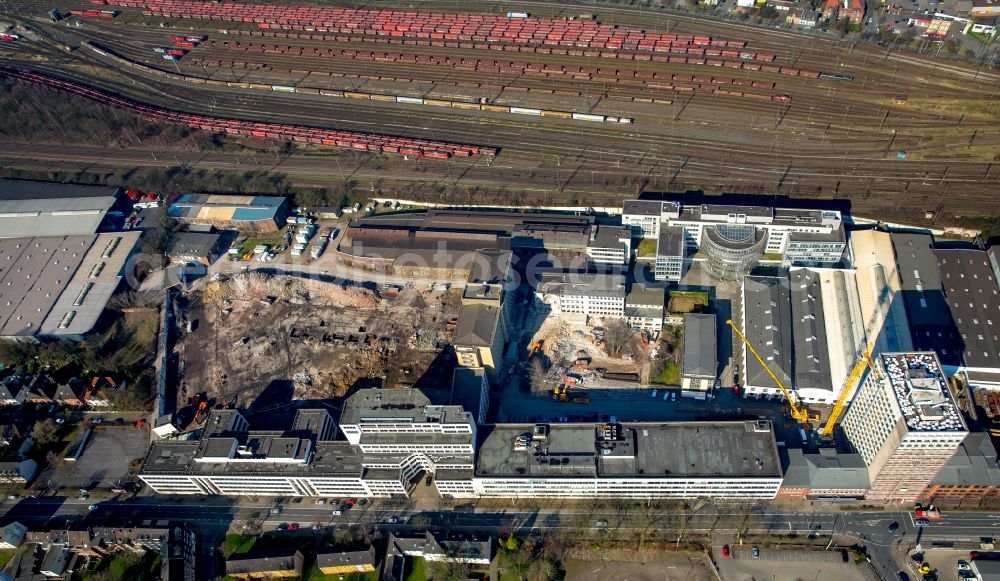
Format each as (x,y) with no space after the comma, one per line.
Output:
(218,513)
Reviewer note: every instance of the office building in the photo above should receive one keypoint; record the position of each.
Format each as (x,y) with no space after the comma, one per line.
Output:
(609,246)
(230,459)
(905,425)
(592,295)
(30,209)
(251,214)
(699,359)
(670,252)
(644,308)
(633,460)
(970,287)
(481,336)
(734,238)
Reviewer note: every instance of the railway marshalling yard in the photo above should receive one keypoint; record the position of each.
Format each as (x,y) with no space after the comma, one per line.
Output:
(736,127)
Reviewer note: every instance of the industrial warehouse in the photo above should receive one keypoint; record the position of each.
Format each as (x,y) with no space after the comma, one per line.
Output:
(58,270)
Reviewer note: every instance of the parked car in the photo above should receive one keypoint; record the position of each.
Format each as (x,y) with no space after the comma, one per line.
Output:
(338,512)
(283,526)
(893,527)
(963,566)
(320,501)
(756,553)
(725,551)
(903,576)
(92,507)
(393,520)
(922,522)
(654,394)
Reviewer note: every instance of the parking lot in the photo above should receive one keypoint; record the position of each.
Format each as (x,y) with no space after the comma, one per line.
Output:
(779,565)
(105,461)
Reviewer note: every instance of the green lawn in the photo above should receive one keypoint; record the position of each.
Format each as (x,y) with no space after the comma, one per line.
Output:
(671,375)
(236,543)
(6,556)
(316,575)
(646,248)
(416,569)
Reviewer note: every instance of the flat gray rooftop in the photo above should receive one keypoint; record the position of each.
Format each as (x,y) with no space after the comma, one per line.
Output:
(405,405)
(330,459)
(29,208)
(644,450)
(700,355)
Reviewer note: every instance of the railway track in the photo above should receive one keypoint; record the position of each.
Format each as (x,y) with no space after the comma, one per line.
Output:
(833,140)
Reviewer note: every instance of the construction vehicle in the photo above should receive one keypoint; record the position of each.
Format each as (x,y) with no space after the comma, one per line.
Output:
(562,393)
(924,568)
(199,416)
(852,379)
(797,412)
(535,347)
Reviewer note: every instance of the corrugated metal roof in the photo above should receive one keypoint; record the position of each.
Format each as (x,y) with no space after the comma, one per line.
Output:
(30,209)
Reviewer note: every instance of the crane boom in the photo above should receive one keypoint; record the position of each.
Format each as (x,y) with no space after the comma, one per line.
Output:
(865,360)
(799,414)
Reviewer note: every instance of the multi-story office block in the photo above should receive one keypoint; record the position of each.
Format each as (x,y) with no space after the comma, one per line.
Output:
(905,425)
(734,238)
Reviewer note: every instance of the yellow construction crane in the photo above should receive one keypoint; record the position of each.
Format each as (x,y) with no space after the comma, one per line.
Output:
(799,414)
(852,379)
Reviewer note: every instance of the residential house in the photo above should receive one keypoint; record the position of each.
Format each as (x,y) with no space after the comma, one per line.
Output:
(36,392)
(803,16)
(65,394)
(331,562)
(853,10)
(269,565)
(97,394)
(11,392)
(472,550)
(56,561)
(12,535)
(18,472)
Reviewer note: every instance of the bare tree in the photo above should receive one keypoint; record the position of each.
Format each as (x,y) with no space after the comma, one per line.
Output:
(618,338)
(537,370)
